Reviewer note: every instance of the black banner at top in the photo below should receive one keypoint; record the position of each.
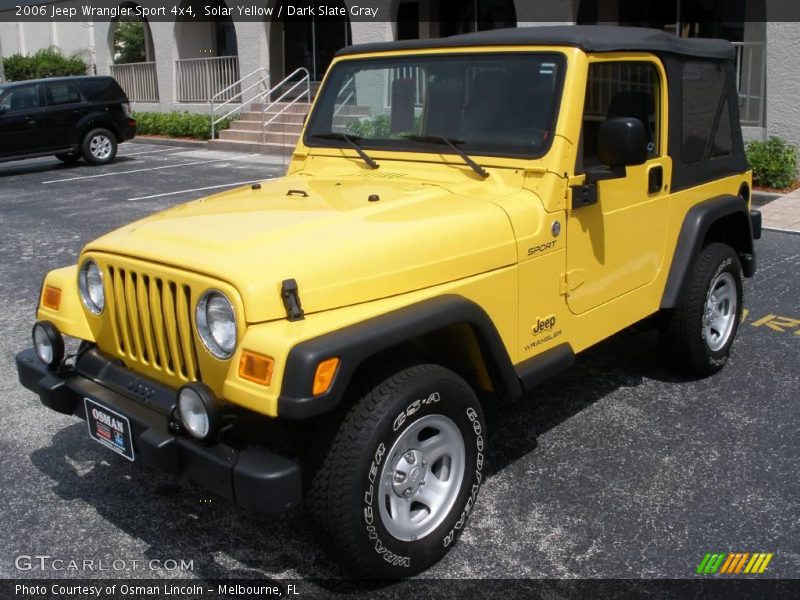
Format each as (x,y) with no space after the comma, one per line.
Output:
(527,11)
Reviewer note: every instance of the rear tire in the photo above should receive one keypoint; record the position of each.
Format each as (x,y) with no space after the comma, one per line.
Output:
(99,147)
(699,334)
(402,474)
(69,157)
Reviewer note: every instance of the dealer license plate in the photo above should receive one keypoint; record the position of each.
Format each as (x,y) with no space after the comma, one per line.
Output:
(109,428)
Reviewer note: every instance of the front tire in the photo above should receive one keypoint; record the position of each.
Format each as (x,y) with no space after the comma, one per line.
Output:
(99,147)
(402,474)
(699,334)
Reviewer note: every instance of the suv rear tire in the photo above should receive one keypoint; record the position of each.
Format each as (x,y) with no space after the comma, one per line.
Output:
(396,486)
(698,335)
(99,146)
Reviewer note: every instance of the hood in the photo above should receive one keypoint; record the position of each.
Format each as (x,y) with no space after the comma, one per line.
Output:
(341,247)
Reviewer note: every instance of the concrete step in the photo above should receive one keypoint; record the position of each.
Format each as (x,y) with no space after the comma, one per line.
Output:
(293,118)
(256,137)
(352,111)
(250,147)
(287,116)
(255,125)
(298,107)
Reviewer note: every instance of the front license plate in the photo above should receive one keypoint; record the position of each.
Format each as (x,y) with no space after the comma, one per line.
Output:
(109,428)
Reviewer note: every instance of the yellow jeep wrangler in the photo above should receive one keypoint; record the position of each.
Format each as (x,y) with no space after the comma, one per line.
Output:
(461,217)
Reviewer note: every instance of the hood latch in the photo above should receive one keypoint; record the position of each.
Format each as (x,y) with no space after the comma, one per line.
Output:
(291,300)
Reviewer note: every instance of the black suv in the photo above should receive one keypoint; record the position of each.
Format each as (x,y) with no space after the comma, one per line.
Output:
(66,116)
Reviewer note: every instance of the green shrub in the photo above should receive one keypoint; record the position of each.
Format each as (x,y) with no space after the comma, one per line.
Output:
(379,127)
(47,62)
(177,124)
(774,163)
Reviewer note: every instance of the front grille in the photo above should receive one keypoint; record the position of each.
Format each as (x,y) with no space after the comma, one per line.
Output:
(152,324)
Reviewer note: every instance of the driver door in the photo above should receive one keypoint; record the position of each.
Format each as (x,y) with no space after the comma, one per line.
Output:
(616,244)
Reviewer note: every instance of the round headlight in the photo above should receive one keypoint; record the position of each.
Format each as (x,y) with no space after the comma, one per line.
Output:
(48,344)
(197,411)
(90,284)
(216,323)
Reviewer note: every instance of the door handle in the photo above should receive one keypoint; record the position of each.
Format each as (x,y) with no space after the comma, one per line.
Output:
(655,179)
(32,121)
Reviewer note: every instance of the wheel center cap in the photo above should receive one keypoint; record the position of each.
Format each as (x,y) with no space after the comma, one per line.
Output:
(409,473)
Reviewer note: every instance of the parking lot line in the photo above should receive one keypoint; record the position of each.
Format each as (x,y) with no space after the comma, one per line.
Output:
(200,162)
(210,187)
(148,151)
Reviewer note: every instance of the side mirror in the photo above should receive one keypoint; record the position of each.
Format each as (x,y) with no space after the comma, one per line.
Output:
(622,142)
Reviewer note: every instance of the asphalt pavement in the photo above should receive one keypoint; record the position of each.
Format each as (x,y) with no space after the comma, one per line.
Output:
(614,469)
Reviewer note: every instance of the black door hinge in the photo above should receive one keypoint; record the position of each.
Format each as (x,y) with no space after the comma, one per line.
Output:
(584,195)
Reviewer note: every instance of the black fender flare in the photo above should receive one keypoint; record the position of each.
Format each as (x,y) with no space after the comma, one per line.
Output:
(354,344)
(696,225)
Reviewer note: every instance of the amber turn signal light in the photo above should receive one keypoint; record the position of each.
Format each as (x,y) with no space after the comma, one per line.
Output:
(256,367)
(324,375)
(51,297)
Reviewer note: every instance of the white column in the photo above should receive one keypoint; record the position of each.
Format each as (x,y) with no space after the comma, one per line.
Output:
(165,54)
(251,39)
(102,46)
(380,30)
(372,31)
(21,38)
(92,46)
(783,80)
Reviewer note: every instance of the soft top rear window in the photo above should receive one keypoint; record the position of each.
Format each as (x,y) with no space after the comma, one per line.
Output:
(492,103)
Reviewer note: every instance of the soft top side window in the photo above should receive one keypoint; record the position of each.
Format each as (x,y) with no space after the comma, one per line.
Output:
(703,97)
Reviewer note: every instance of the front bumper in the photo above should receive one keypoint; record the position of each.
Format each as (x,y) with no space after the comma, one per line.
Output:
(253,478)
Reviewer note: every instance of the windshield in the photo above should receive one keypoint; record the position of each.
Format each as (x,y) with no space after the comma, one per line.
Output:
(491,104)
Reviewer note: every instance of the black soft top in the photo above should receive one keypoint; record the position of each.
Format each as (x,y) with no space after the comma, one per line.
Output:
(591,38)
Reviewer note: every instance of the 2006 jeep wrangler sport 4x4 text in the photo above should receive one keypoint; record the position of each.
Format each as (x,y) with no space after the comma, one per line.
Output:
(460,218)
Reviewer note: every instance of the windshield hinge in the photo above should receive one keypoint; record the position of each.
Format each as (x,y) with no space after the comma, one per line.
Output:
(291,300)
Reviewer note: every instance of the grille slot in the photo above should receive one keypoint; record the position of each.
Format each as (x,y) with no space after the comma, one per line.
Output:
(152,324)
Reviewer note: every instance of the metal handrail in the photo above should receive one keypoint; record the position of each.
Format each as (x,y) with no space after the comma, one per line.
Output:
(262,81)
(347,84)
(306,79)
(235,83)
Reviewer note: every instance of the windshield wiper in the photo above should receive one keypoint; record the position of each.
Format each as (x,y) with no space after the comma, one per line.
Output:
(440,139)
(352,140)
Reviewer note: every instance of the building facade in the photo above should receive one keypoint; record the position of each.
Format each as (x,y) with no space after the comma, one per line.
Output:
(189,64)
